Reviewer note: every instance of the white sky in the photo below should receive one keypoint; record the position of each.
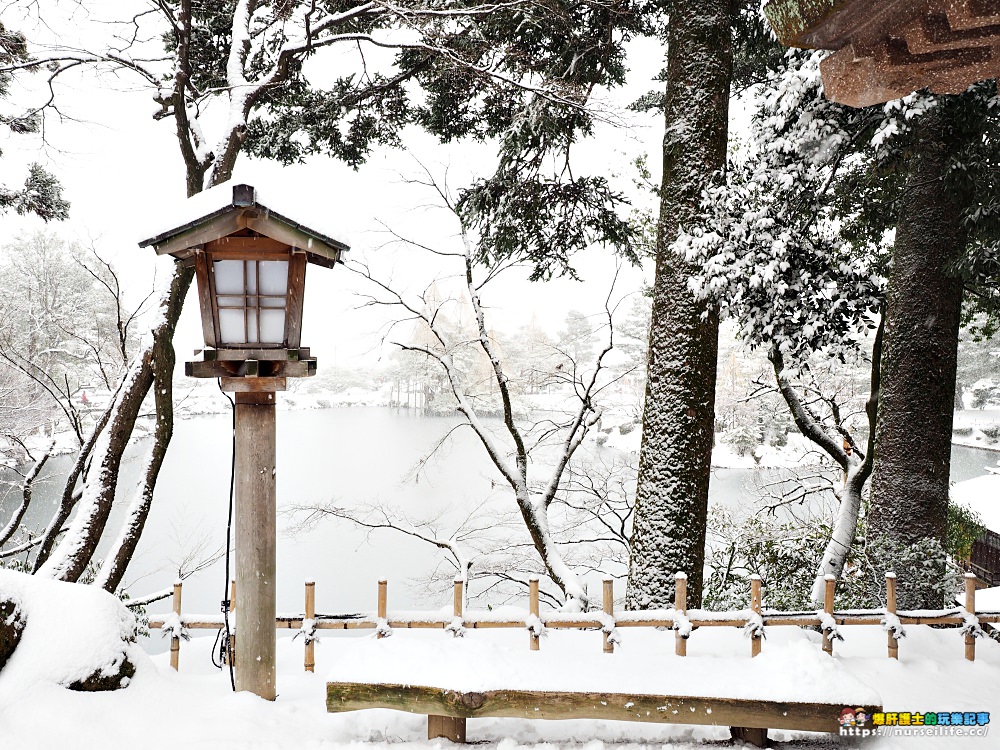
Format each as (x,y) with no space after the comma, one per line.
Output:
(120,168)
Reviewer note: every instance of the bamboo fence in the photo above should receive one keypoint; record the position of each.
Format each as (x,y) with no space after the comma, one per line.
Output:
(754,620)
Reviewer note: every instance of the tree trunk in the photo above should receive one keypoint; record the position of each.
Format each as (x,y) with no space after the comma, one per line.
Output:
(909,500)
(163,359)
(69,561)
(678,420)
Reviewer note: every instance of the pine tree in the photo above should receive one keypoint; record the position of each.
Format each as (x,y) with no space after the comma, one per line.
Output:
(705,39)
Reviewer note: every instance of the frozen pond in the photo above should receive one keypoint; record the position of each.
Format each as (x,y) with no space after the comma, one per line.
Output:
(351,456)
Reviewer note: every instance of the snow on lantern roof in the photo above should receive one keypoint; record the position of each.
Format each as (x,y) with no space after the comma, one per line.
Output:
(230,207)
(885,50)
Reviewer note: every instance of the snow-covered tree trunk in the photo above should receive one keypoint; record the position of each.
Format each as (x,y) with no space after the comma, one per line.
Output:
(909,500)
(679,414)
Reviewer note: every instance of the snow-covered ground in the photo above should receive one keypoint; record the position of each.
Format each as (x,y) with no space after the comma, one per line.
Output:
(981,495)
(195,708)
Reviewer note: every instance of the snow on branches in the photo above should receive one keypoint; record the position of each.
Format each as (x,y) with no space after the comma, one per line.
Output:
(768,239)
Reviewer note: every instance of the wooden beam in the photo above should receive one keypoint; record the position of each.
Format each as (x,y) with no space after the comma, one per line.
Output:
(265,355)
(220,226)
(528,704)
(319,252)
(251,368)
(862,81)
(252,385)
(205,298)
(247,244)
(296,296)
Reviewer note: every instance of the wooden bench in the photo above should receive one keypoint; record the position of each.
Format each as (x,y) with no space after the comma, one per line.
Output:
(447,710)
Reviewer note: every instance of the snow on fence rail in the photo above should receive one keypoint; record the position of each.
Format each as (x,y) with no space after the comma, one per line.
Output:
(754,620)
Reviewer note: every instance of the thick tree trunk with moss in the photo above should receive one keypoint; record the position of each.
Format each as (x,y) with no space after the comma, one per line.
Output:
(909,500)
(679,416)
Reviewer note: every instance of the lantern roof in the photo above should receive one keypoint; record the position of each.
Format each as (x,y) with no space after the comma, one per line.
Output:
(886,49)
(230,208)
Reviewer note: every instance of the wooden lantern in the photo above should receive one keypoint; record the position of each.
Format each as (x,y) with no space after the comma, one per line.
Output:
(888,49)
(250,263)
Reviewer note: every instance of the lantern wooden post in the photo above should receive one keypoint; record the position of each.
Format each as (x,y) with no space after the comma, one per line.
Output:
(255,543)
(680,604)
(231,653)
(890,607)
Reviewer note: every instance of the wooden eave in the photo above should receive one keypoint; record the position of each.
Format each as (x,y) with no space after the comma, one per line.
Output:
(181,242)
(886,49)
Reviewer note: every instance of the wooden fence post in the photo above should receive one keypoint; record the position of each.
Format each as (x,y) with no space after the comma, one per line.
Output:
(890,607)
(310,657)
(755,605)
(382,597)
(457,605)
(609,609)
(680,604)
(970,607)
(175,641)
(533,609)
(231,652)
(831,583)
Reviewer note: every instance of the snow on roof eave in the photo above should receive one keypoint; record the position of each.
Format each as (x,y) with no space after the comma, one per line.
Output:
(320,246)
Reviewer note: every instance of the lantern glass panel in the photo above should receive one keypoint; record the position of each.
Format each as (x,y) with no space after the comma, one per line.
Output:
(251,297)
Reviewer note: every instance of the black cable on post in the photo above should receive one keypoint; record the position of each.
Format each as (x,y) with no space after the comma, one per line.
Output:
(229,536)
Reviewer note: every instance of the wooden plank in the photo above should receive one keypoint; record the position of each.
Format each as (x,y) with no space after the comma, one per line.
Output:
(266,355)
(527,704)
(226,254)
(202,369)
(251,369)
(244,245)
(296,296)
(205,299)
(251,385)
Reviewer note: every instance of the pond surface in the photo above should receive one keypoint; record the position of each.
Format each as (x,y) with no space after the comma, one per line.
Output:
(349,456)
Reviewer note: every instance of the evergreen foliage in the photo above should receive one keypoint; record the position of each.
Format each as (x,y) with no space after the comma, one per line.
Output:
(41,193)
(516,73)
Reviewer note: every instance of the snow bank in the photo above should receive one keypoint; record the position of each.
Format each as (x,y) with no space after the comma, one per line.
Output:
(980,495)
(74,636)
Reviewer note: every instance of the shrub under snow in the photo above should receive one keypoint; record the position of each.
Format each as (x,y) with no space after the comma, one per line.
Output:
(69,634)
